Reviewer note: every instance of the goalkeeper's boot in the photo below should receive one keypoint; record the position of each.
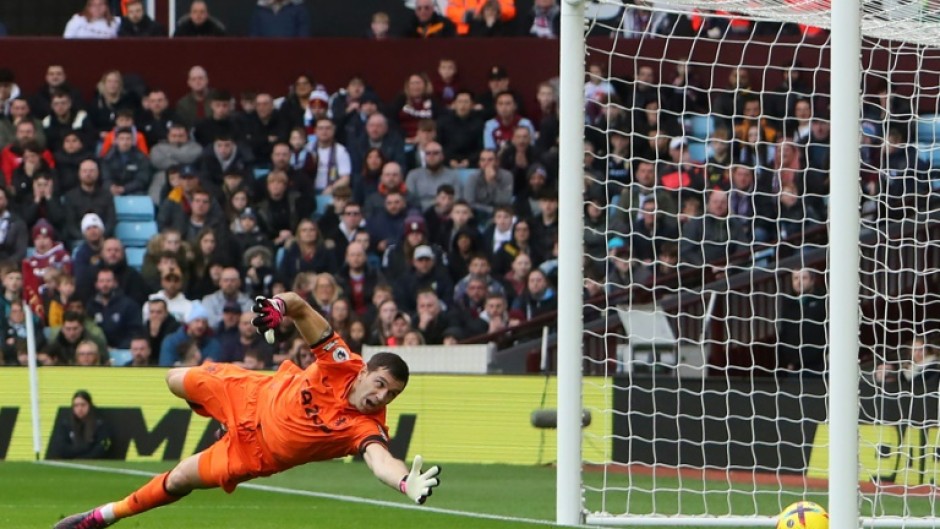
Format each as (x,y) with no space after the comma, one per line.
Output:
(86,520)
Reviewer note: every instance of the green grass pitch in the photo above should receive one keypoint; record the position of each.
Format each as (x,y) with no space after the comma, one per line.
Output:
(340,495)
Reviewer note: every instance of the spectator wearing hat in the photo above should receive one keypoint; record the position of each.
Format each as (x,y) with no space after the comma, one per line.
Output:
(89,248)
(499,130)
(423,182)
(177,149)
(116,314)
(428,23)
(199,23)
(172,292)
(357,279)
(228,325)
(497,82)
(49,254)
(126,170)
(14,238)
(195,330)
(425,273)
(460,132)
(385,226)
(391,179)
(230,284)
(398,258)
(280,19)
(88,196)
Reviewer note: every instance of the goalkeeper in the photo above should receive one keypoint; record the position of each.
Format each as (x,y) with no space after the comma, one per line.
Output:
(334,408)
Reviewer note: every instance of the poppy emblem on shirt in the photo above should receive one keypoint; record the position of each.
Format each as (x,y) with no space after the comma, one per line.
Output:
(340,355)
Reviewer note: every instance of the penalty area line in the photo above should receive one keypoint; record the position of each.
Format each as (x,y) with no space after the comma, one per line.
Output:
(311,494)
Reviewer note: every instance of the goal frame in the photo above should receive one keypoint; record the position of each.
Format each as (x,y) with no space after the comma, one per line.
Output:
(844,221)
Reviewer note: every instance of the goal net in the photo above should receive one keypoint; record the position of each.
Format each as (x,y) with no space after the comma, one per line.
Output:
(707,265)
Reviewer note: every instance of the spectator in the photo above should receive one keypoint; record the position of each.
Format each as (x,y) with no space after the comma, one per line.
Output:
(259,272)
(236,346)
(398,257)
(126,170)
(431,319)
(221,121)
(490,187)
(494,317)
(378,28)
(796,215)
(296,105)
(713,237)
(750,206)
(12,155)
(517,277)
(199,23)
(9,91)
(123,118)
(801,327)
(136,22)
(88,196)
(94,22)
(172,294)
(246,233)
(468,307)
(157,118)
(89,355)
(641,190)
(197,332)
(48,255)
(334,166)
(230,285)
(265,127)
(196,104)
(306,253)
(325,291)
(424,182)
(67,161)
(465,246)
(519,155)
(415,103)
(65,118)
(546,120)
(461,220)
(385,226)
(141,353)
(83,434)
(446,81)
(497,82)
(159,325)
(42,202)
(493,20)
(381,330)
(654,229)
(56,80)
(227,327)
(346,103)
(14,334)
(129,280)
(357,279)
(117,314)
(110,98)
(64,343)
(428,23)
(21,182)
(437,216)
(499,130)
(281,19)
(224,155)
(376,136)
(499,231)
(464,12)
(460,132)
(521,243)
(89,246)
(425,273)
(297,159)
(177,149)
(425,134)
(390,180)
(280,213)
(545,224)
(370,175)
(544,21)
(479,268)
(14,238)
(538,297)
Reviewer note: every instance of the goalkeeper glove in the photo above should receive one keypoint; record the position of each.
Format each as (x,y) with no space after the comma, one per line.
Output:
(270,313)
(418,486)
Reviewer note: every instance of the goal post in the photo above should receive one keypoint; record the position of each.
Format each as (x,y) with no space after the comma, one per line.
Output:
(764,256)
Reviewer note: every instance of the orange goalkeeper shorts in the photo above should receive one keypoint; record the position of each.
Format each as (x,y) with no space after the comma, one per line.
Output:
(230,395)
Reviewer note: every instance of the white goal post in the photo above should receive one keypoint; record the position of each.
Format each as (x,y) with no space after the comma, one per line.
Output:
(866,449)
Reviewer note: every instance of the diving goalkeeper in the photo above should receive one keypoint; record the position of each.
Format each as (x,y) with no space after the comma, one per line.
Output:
(334,408)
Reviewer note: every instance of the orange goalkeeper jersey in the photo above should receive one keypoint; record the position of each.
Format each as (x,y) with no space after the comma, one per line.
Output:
(304,415)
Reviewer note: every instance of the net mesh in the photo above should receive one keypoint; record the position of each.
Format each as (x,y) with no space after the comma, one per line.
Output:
(706,203)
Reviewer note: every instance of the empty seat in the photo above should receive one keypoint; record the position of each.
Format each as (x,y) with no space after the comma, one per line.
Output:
(699,126)
(135,233)
(120,357)
(928,128)
(133,208)
(323,202)
(135,257)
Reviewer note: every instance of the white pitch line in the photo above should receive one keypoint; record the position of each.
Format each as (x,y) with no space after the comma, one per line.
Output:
(311,494)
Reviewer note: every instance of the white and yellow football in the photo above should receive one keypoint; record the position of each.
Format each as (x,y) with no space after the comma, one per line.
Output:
(803,515)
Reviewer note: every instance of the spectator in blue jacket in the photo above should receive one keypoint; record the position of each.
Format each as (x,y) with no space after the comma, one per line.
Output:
(116,314)
(197,331)
(280,19)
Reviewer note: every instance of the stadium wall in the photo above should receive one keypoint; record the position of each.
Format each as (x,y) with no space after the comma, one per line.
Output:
(480,419)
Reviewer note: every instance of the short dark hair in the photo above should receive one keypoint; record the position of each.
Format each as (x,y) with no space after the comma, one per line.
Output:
(391,362)
(71,315)
(447,189)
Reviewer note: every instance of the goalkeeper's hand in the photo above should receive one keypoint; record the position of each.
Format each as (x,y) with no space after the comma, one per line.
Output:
(417,485)
(270,313)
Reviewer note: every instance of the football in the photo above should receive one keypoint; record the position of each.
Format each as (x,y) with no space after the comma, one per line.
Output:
(803,515)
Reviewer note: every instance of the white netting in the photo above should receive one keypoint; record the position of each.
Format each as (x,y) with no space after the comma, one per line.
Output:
(713,322)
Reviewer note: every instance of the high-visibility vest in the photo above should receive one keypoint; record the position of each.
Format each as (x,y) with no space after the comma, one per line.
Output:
(457,9)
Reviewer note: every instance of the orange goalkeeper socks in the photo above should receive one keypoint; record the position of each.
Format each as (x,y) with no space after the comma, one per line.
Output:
(150,496)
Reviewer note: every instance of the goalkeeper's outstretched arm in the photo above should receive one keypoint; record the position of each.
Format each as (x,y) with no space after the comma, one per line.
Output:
(415,484)
(310,323)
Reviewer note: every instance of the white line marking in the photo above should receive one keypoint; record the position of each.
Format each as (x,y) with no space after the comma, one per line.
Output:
(311,494)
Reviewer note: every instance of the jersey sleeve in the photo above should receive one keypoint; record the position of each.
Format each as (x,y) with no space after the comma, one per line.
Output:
(370,432)
(333,352)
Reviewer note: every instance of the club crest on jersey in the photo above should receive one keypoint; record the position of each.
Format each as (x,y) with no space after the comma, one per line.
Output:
(340,355)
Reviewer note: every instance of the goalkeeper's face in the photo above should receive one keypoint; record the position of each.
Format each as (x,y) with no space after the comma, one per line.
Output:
(374,390)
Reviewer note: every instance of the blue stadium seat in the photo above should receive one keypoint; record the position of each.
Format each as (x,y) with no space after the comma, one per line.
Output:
(698,150)
(120,357)
(323,203)
(700,127)
(261,172)
(279,257)
(928,129)
(30,251)
(134,208)
(464,175)
(135,234)
(135,257)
